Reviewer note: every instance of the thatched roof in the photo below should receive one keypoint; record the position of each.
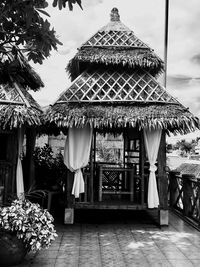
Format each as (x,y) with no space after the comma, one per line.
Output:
(108,99)
(115,44)
(111,96)
(17,107)
(171,117)
(14,66)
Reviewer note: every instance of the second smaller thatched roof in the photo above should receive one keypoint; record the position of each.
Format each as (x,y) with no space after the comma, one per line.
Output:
(115,44)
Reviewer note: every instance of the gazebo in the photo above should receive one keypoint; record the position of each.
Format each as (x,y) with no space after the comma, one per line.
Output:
(20,115)
(115,90)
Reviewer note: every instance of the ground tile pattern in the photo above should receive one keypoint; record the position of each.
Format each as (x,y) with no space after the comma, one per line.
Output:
(123,240)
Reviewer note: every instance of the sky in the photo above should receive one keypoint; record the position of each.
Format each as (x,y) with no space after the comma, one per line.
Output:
(146,19)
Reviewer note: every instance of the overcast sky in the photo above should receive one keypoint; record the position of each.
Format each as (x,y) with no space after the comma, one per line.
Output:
(146,19)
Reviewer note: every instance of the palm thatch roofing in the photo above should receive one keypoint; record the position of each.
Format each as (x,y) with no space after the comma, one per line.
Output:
(17,107)
(115,44)
(14,66)
(110,99)
(110,96)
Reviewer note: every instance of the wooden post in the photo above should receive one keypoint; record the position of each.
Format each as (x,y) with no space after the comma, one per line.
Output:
(162,182)
(187,193)
(142,157)
(132,185)
(173,188)
(13,157)
(69,198)
(100,182)
(30,145)
(92,169)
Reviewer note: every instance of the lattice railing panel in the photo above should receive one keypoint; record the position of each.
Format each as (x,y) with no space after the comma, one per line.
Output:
(116,86)
(185,196)
(115,38)
(8,93)
(111,181)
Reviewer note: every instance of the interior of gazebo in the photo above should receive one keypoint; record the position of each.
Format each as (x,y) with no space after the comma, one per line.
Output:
(117,171)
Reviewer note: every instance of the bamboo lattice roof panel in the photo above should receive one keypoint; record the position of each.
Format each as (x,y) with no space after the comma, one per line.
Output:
(10,94)
(116,86)
(115,33)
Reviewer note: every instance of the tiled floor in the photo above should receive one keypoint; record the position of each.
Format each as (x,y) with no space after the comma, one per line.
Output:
(120,240)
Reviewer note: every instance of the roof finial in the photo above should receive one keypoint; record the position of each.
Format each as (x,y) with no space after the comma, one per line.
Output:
(114,15)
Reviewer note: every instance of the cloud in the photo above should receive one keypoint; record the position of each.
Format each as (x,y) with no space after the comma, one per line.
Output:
(91,3)
(196,59)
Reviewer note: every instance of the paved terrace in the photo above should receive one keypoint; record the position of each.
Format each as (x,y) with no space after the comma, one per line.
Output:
(120,239)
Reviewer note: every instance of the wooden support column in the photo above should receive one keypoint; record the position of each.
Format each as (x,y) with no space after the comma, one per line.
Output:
(69,198)
(142,159)
(187,193)
(173,188)
(12,158)
(92,157)
(162,182)
(29,178)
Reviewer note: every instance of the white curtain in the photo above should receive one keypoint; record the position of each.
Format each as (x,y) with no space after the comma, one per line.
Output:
(76,155)
(152,142)
(19,173)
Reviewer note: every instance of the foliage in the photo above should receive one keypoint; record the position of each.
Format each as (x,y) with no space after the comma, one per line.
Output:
(62,3)
(29,222)
(23,28)
(107,154)
(185,146)
(50,169)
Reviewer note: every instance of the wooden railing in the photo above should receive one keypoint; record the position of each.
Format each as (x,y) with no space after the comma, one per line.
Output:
(116,181)
(184,196)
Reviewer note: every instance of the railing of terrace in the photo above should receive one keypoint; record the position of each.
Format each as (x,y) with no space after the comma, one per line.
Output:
(185,196)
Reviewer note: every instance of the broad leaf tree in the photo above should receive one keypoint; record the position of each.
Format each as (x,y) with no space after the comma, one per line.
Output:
(24,27)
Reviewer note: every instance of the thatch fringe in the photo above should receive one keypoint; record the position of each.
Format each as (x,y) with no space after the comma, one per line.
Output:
(13,116)
(142,58)
(173,118)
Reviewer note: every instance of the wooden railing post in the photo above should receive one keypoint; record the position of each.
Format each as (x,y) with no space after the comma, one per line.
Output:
(100,182)
(173,188)
(163,182)
(187,193)
(69,198)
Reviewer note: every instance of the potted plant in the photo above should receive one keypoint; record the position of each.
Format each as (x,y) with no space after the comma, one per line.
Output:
(24,227)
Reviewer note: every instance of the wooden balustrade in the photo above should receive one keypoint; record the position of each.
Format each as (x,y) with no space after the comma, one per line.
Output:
(185,196)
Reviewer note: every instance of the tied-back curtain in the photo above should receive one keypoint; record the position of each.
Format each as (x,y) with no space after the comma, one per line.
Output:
(76,155)
(19,172)
(152,142)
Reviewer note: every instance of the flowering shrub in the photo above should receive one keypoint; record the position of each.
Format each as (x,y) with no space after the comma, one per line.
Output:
(29,222)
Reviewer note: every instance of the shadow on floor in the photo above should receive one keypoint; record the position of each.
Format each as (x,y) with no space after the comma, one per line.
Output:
(106,217)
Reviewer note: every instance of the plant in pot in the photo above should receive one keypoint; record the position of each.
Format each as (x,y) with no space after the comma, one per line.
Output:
(24,227)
